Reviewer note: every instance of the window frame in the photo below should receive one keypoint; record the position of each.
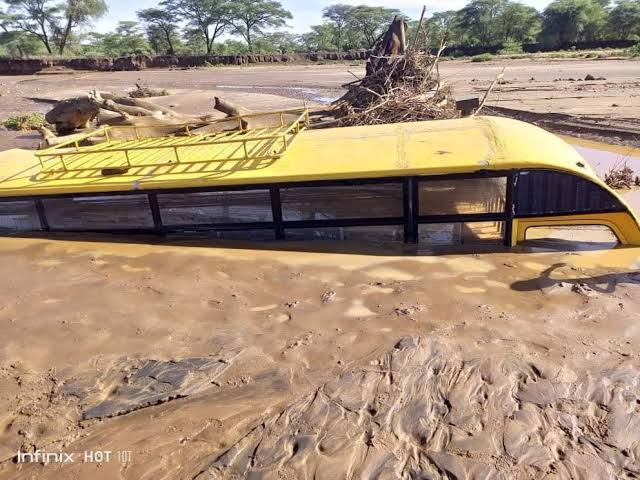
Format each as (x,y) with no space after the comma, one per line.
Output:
(410,219)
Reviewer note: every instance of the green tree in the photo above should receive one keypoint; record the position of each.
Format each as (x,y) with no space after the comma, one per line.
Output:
(277,42)
(479,21)
(338,17)
(20,44)
(439,25)
(35,17)
(126,40)
(231,46)
(207,17)
(370,22)
(77,13)
(320,38)
(252,17)
(161,29)
(624,20)
(518,23)
(567,21)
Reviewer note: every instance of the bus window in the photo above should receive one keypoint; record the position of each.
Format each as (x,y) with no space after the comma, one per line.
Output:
(545,192)
(339,202)
(237,206)
(464,196)
(461,233)
(19,216)
(99,212)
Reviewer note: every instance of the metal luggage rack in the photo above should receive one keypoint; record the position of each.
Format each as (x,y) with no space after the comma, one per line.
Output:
(187,147)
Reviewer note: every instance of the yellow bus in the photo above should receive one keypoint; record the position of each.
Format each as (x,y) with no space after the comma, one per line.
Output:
(470,180)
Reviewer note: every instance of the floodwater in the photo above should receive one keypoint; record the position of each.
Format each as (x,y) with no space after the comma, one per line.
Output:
(602,157)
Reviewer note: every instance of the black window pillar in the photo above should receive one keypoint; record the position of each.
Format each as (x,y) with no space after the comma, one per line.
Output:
(44,224)
(155,212)
(509,208)
(276,212)
(410,207)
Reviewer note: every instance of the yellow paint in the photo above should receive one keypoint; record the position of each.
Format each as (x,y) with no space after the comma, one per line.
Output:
(420,148)
(623,225)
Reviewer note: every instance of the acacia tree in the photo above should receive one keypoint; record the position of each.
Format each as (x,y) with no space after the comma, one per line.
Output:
(126,40)
(249,17)
(77,13)
(370,21)
(320,38)
(35,17)
(209,18)
(338,17)
(51,23)
(160,23)
(479,21)
(14,42)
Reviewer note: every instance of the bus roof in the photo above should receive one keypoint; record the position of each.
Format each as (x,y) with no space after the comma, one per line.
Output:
(423,148)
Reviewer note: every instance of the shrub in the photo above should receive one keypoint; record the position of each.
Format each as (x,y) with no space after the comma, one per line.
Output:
(30,121)
(635,50)
(483,57)
(510,48)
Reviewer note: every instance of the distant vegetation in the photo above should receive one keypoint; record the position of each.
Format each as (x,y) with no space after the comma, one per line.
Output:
(30,121)
(62,27)
(483,57)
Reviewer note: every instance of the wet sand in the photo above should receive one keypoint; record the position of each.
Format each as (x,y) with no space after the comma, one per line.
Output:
(219,360)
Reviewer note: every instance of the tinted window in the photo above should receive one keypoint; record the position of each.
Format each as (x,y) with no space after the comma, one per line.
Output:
(19,216)
(541,192)
(467,196)
(357,201)
(98,213)
(461,233)
(245,206)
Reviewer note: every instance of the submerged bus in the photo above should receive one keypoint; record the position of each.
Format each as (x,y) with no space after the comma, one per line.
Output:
(448,182)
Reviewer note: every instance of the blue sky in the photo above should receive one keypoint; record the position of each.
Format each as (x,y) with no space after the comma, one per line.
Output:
(305,13)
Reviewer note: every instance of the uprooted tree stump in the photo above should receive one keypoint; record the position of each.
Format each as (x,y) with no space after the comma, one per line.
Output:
(400,85)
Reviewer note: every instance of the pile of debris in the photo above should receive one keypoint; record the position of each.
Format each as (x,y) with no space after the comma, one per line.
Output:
(620,176)
(401,85)
(144,91)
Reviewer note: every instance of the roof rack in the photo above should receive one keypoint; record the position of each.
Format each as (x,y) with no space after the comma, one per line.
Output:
(146,149)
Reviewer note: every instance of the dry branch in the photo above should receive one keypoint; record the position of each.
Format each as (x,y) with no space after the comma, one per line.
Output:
(498,78)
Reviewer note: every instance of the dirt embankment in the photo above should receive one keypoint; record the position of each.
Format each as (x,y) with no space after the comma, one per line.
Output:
(10,66)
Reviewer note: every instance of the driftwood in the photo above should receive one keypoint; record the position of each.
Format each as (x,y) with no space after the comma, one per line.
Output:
(153,120)
(50,139)
(72,114)
(143,91)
